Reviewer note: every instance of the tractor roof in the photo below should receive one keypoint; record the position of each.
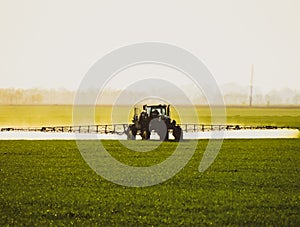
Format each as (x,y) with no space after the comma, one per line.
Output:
(159,105)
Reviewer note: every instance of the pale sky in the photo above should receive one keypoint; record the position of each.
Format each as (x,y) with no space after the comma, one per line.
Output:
(52,44)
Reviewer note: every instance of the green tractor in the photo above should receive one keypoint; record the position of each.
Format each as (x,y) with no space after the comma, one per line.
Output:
(153,118)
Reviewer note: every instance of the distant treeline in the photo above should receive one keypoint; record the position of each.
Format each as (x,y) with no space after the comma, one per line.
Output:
(231,96)
(35,96)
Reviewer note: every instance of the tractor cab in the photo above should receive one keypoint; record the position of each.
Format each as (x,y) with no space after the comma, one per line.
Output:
(154,111)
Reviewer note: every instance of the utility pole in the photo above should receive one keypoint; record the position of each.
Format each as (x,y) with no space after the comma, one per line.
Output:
(251,85)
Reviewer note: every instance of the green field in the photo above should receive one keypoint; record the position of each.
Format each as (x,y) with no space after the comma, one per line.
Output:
(251,182)
(56,115)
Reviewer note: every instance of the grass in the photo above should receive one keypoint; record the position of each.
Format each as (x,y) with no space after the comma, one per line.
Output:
(29,116)
(251,182)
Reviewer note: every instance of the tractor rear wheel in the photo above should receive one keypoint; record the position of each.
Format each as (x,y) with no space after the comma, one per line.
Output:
(131,133)
(177,133)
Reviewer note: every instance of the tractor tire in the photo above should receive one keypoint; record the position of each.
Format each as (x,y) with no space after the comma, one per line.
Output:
(163,136)
(178,134)
(131,133)
(160,128)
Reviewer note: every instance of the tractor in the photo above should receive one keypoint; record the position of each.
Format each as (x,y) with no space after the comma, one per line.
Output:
(153,118)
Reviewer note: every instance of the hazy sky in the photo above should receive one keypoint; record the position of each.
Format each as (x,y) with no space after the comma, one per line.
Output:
(52,44)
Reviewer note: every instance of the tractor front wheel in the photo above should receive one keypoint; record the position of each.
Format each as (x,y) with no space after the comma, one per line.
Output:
(163,135)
